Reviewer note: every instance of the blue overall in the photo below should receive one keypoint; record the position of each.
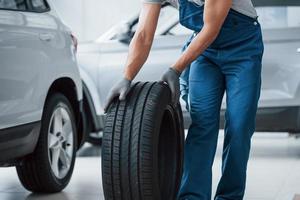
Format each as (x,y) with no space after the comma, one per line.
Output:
(232,64)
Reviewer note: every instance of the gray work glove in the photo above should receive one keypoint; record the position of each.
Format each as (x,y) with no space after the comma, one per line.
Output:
(120,90)
(171,77)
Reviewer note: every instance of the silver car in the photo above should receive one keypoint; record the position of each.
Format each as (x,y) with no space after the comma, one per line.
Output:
(40,95)
(101,63)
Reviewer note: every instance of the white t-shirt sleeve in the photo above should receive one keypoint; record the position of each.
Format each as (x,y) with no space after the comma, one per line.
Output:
(153,1)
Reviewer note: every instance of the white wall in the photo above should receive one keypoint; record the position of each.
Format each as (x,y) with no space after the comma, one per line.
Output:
(90,18)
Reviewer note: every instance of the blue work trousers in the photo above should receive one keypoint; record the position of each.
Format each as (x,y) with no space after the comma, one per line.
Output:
(232,64)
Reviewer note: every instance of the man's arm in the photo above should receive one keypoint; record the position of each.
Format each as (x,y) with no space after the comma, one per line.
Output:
(215,13)
(141,43)
(138,51)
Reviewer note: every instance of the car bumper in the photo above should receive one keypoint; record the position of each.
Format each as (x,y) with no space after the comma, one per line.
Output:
(18,141)
(275,119)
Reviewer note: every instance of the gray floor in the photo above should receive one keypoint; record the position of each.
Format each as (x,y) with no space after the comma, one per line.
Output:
(273,174)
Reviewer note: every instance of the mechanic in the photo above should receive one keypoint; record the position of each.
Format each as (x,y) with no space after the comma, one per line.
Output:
(224,54)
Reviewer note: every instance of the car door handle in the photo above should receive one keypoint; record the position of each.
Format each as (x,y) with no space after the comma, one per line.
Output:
(46,37)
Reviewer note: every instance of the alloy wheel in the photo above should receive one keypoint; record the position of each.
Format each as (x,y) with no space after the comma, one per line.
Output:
(60,141)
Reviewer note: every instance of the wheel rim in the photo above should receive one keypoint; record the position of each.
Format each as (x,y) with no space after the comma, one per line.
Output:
(60,141)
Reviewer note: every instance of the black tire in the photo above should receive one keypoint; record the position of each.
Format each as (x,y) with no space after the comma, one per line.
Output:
(35,173)
(142,151)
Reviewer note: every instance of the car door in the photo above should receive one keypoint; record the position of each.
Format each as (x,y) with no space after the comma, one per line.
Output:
(281,61)
(21,62)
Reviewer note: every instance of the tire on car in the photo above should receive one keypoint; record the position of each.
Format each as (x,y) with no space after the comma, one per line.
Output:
(143,141)
(50,167)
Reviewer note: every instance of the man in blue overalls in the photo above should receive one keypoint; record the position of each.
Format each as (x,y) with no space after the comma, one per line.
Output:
(224,54)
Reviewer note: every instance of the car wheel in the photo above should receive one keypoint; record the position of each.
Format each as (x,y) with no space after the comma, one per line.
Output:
(49,168)
(142,152)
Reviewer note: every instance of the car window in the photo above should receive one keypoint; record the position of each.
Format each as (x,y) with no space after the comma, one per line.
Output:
(178,29)
(13,4)
(39,5)
(168,22)
(279,17)
(270,17)
(25,5)
(168,16)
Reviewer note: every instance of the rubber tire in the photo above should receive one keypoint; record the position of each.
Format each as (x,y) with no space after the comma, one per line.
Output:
(35,172)
(142,155)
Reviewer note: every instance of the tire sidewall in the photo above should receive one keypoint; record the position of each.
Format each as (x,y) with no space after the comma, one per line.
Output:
(164,103)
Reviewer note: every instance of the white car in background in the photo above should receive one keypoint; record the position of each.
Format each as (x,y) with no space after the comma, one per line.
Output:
(41,124)
(101,64)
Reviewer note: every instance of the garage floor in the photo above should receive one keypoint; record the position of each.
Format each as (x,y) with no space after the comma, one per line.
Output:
(274,173)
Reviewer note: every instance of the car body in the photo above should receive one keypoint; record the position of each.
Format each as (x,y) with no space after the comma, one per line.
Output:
(101,62)
(38,61)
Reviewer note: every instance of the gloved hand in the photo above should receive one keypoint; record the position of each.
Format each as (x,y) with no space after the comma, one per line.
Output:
(171,77)
(120,90)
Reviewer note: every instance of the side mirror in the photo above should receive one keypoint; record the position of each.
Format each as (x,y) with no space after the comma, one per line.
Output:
(124,34)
